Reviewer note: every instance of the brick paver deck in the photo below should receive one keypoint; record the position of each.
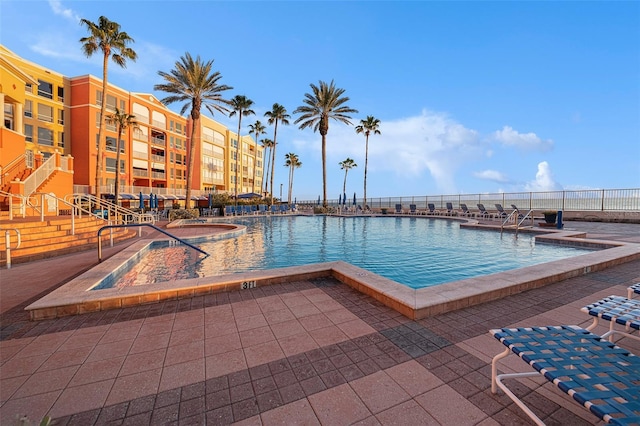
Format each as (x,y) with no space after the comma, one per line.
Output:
(309,352)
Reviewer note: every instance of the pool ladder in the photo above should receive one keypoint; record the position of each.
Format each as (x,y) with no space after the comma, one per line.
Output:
(514,217)
(130,225)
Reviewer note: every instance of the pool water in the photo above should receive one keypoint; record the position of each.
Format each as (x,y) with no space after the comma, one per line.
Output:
(416,252)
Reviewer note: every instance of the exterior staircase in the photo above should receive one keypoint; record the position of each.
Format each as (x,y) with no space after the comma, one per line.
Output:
(53,237)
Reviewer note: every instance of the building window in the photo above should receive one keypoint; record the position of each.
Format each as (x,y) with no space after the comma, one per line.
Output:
(45,136)
(111,144)
(28,88)
(45,113)
(61,94)
(45,89)
(110,165)
(28,108)
(61,139)
(122,105)
(61,116)
(28,132)
(99,97)
(111,102)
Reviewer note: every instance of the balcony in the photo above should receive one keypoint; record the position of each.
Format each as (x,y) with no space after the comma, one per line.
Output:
(159,124)
(140,173)
(159,175)
(156,141)
(158,158)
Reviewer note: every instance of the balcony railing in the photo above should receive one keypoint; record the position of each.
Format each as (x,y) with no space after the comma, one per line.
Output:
(159,175)
(159,142)
(140,173)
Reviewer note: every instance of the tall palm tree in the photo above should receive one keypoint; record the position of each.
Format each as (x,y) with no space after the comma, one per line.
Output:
(268,146)
(346,165)
(257,129)
(277,114)
(326,101)
(367,126)
(293,162)
(196,84)
(123,121)
(105,36)
(241,105)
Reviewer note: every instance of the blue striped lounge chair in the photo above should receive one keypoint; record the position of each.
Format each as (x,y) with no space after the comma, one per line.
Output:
(595,373)
(633,289)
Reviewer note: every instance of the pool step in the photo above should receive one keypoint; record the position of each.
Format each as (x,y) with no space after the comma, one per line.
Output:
(52,237)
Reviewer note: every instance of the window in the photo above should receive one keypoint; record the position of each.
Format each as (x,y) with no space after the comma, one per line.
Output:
(45,89)
(45,113)
(28,108)
(111,102)
(28,132)
(171,125)
(61,94)
(99,97)
(61,139)
(234,143)
(61,116)
(171,158)
(28,88)
(178,128)
(45,136)
(110,165)
(111,144)
(122,105)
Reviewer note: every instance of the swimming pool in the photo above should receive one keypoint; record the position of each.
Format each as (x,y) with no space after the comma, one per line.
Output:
(416,252)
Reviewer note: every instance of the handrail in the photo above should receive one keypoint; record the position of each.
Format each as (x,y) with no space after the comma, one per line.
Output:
(114,209)
(6,170)
(23,203)
(515,216)
(7,246)
(129,225)
(40,175)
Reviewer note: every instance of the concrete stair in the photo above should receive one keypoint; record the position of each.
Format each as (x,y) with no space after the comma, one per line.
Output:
(41,240)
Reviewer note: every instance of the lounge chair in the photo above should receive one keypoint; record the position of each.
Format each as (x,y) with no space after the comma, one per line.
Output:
(450,210)
(635,288)
(412,209)
(616,310)
(516,209)
(465,210)
(597,374)
(483,211)
(501,212)
(432,209)
(398,208)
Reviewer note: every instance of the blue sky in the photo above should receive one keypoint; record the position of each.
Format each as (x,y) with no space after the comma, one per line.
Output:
(473,97)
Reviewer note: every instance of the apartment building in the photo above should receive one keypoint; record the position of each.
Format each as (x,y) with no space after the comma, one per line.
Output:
(55,113)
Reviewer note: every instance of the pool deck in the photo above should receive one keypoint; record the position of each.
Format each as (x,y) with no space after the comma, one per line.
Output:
(313,351)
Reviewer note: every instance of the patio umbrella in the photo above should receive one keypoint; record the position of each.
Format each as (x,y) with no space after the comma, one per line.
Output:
(354,198)
(152,201)
(318,200)
(141,205)
(339,199)
(210,198)
(344,199)
(295,200)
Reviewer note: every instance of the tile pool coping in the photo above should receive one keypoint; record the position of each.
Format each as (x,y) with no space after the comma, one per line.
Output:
(74,298)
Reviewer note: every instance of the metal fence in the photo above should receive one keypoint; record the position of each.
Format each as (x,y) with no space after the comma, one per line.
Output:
(585,200)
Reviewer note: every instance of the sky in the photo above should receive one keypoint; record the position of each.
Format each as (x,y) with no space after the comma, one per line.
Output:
(472,97)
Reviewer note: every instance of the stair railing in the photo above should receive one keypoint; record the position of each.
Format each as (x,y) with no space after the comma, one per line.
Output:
(140,225)
(13,165)
(22,203)
(39,176)
(514,217)
(116,213)
(7,243)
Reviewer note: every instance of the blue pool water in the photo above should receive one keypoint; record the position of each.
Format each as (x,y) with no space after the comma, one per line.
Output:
(416,252)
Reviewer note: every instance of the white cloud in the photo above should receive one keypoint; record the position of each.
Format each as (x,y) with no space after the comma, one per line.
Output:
(544,180)
(530,141)
(492,175)
(408,147)
(58,9)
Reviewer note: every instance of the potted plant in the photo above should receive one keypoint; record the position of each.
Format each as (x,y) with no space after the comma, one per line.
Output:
(550,216)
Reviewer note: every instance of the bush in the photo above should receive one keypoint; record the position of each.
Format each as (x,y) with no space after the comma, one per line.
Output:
(183,214)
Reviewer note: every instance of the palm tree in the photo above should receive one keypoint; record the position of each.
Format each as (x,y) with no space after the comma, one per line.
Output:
(257,129)
(346,165)
(277,114)
(325,102)
(293,162)
(105,36)
(268,145)
(123,121)
(196,84)
(370,124)
(241,105)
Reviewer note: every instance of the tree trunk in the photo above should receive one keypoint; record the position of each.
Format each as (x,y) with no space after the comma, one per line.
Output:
(273,157)
(117,191)
(190,158)
(103,108)
(324,170)
(239,158)
(366,160)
